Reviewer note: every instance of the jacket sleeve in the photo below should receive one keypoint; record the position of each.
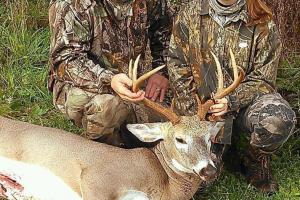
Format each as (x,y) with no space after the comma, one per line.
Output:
(160,19)
(71,35)
(261,77)
(180,74)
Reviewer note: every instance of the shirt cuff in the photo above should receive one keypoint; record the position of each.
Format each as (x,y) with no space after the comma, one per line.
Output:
(233,103)
(104,82)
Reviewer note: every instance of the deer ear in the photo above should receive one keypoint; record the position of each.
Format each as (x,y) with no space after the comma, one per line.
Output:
(148,132)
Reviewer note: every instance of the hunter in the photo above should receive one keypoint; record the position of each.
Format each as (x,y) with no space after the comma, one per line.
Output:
(259,113)
(92,42)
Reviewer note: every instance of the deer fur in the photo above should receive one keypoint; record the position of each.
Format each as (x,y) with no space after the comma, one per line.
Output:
(49,163)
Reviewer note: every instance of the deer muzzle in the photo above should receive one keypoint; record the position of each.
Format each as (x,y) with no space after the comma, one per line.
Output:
(209,173)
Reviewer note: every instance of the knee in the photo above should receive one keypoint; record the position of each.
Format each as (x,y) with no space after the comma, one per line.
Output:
(104,103)
(275,122)
(103,115)
(76,98)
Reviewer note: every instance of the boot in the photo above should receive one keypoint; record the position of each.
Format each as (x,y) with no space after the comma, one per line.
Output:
(257,166)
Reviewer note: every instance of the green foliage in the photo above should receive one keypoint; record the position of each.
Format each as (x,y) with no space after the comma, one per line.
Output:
(24,52)
(24,55)
(289,75)
(288,82)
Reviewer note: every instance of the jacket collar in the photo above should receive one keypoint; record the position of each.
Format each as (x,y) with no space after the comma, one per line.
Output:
(205,10)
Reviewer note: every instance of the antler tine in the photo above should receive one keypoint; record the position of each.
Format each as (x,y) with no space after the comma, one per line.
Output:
(237,79)
(135,66)
(234,66)
(219,73)
(166,112)
(140,81)
(203,107)
(130,69)
(221,92)
(201,113)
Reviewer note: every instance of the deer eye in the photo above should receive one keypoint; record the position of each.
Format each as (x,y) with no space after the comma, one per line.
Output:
(180,140)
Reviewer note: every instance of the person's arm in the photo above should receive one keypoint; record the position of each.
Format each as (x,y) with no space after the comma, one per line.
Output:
(160,19)
(262,77)
(71,35)
(180,74)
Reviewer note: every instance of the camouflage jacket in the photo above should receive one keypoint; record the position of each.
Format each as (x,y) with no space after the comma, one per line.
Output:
(192,68)
(91,40)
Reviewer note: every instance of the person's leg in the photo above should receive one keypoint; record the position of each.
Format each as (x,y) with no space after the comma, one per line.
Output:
(102,117)
(268,122)
(99,114)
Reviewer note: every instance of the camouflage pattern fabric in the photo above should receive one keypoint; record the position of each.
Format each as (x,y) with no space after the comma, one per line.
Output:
(268,122)
(192,68)
(89,44)
(256,48)
(98,114)
(91,41)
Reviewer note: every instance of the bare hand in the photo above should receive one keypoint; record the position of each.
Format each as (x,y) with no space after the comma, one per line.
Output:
(121,83)
(220,108)
(157,86)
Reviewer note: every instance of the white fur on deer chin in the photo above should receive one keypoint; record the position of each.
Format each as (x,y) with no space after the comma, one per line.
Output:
(134,195)
(180,167)
(200,165)
(37,182)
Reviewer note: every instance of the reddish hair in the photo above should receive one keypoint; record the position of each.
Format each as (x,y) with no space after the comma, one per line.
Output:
(259,12)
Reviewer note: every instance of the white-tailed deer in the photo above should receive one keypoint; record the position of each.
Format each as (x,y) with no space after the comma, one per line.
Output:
(52,164)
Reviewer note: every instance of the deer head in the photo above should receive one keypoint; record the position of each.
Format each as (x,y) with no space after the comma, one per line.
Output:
(186,139)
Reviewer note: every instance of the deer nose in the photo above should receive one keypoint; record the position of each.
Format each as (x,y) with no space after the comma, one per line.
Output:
(209,172)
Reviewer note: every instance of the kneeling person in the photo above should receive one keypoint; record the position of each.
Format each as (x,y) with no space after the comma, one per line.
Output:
(91,44)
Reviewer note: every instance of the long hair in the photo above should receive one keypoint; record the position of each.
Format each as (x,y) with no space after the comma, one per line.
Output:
(259,12)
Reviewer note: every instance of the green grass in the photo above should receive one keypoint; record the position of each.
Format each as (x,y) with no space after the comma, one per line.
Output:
(286,164)
(24,55)
(24,51)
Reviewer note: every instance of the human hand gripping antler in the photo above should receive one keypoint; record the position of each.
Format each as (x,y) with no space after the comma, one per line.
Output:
(128,88)
(137,83)
(122,85)
(218,106)
(203,107)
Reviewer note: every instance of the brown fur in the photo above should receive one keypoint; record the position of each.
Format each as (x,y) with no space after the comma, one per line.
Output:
(99,171)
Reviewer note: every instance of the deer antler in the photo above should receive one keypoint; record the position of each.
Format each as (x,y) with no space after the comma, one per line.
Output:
(221,91)
(166,112)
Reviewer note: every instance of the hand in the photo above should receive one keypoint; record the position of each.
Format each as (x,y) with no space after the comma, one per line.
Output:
(157,86)
(220,108)
(121,83)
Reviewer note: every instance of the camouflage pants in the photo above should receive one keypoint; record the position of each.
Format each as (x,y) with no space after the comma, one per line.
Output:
(99,114)
(268,122)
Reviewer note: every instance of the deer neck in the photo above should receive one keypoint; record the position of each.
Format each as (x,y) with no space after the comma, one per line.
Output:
(185,184)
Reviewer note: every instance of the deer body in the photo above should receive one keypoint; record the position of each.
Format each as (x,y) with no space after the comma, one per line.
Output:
(85,169)
(78,169)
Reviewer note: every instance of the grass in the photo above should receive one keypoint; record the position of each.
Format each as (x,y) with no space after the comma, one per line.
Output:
(24,55)
(24,51)
(286,168)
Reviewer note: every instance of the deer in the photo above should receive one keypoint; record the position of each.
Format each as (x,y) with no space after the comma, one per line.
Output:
(52,164)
